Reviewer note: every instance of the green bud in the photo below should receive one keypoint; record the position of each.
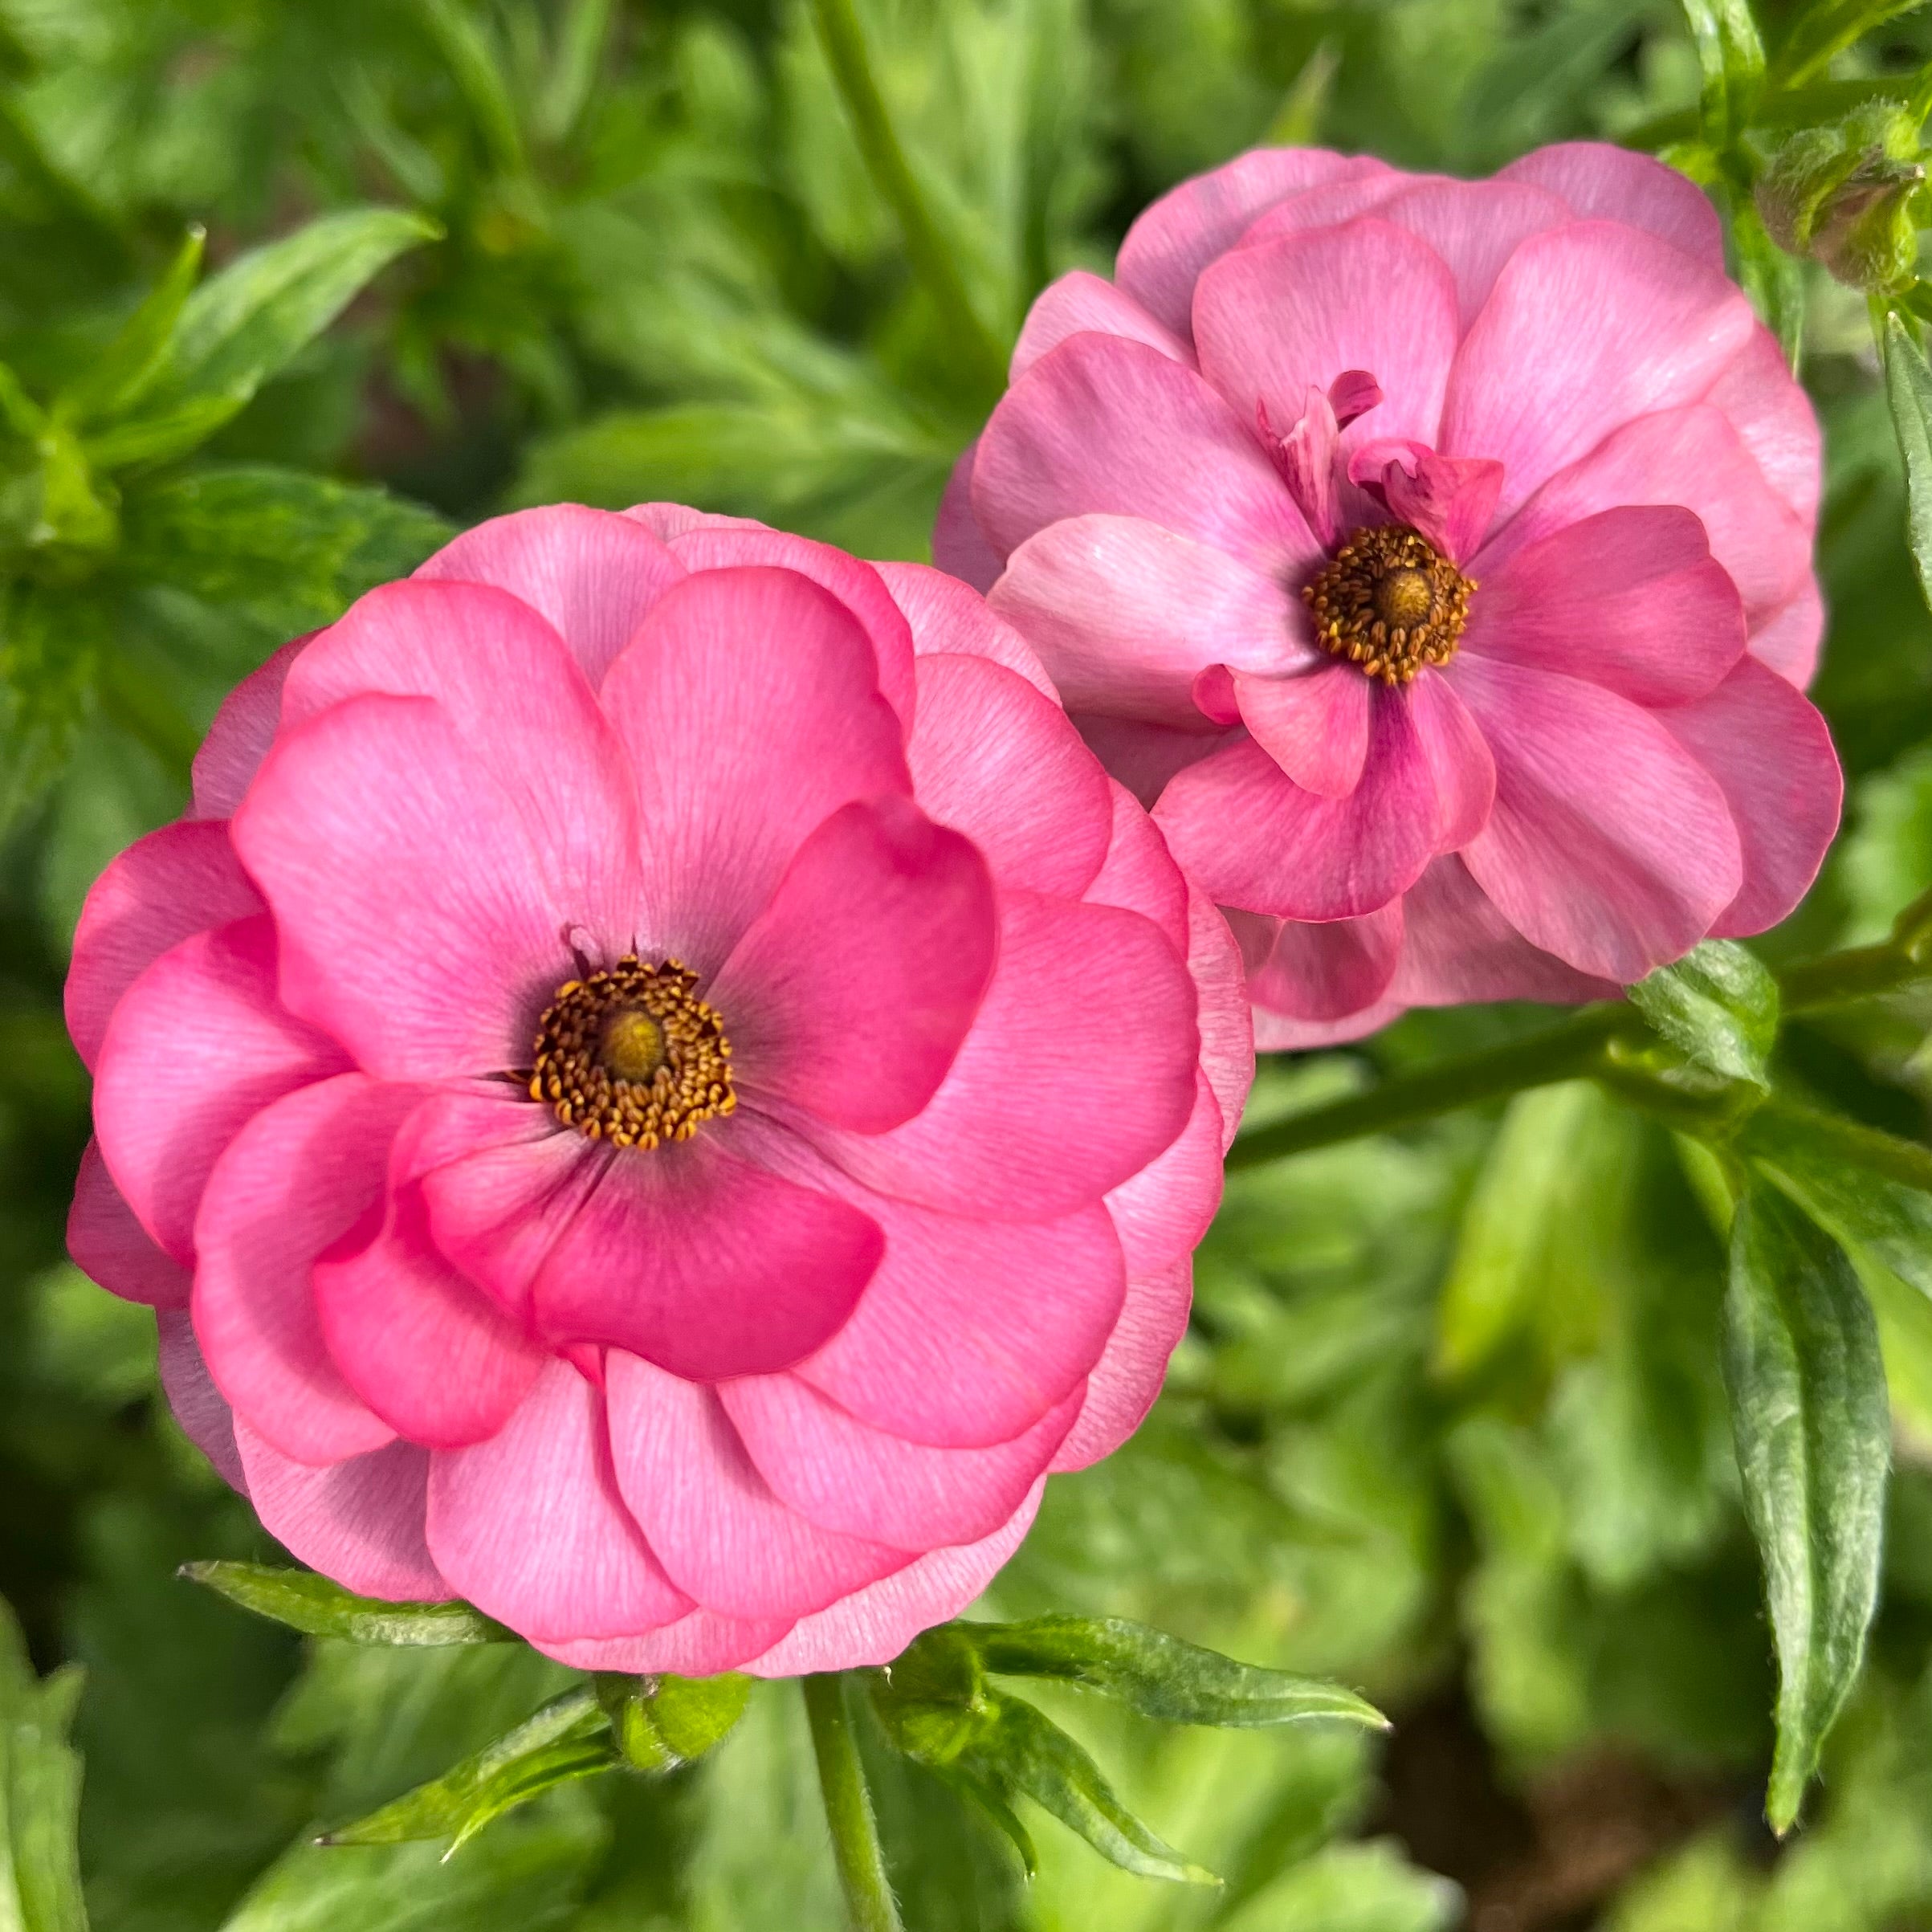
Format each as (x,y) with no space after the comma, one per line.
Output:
(1842,195)
(661,1723)
(931,1700)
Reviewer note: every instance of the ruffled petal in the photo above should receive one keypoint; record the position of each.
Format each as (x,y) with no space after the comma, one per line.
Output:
(1609,845)
(199,1045)
(1144,757)
(1788,638)
(851,993)
(1122,1390)
(1314,726)
(1769,408)
(590,574)
(1162,1212)
(709,1516)
(1081,302)
(1227,1024)
(1475,227)
(179,881)
(1770,749)
(959,547)
(112,1249)
(749,702)
(948,618)
(1619,185)
(1139,873)
(204,1417)
(1459,761)
(529,1526)
(1323,971)
(239,738)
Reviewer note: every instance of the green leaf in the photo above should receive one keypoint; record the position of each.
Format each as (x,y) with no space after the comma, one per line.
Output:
(1909,391)
(661,1723)
(1353,1888)
(1730,60)
(1774,280)
(1158,1675)
(1015,1749)
(238,329)
(39,1794)
(1826,28)
(1871,1190)
(50,649)
(568,1739)
(291,550)
(1808,1412)
(1719,1005)
(317,1608)
(135,356)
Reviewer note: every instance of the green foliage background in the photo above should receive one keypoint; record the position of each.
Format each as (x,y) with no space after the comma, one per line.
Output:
(1451,1423)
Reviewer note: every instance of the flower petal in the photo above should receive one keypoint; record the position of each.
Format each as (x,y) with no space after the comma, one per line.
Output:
(204,1417)
(1314,726)
(1081,302)
(1459,761)
(1475,227)
(1161,1213)
(199,1045)
(1104,426)
(181,880)
(1770,409)
(239,738)
(959,547)
(590,574)
(749,702)
(1125,616)
(1609,845)
(1122,1390)
(1597,178)
(528,1525)
(302,1174)
(948,618)
(1787,640)
(708,1515)
(1323,971)
(851,993)
(1770,749)
(112,1249)
(1630,599)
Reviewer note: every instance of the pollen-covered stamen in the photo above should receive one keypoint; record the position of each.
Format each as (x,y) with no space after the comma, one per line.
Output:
(1390,602)
(632,1056)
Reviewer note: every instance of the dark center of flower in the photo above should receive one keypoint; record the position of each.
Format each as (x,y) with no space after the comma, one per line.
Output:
(1389,601)
(632,1056)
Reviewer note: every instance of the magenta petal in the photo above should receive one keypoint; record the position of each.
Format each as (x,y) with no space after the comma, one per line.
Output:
(1081,302)
(239,738)
(198,1405)
(393,860)
(529,1526)
(1254,838)
(1449,499)
(420,1345)
(948,618)
(112,1249)
(1106,427)
(959,545)
(1770,748)
(1227,1023)
(589,574)
(1047,1105)
(1458,759)
(298,1178)
(994,758)
(704,1262)
(1457,949)
(1126,614)
(1162,1212)
(1276,318)
(1788,638)
(360,1522)
(1533,391)
(859,1482)
(1609,845)
(1770,411)
(1139,873)
(1314,726)
(199,1045)
(1141,756)
(725,545)
(1629,599)
(873,1625)
(1475,227)
(1175,238)
(973,1330)
(708,1513)
(851,993)
(1327,971)
(749,702)
(1122,1390)
(698,1645)
(181,880)
(1363,190)
(1595,178)
(553,753)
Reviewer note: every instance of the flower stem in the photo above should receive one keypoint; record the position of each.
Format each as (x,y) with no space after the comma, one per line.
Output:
(855,1846)
(926,248)
(1564,1052)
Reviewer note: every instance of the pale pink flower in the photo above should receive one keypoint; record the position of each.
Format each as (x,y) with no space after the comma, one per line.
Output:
(1587,748)
(728,1312)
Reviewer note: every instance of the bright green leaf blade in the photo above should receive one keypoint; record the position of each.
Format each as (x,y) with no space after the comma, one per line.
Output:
(40,1794)
(317,1608)
(1909,391)
(1774,280)
(1719,1005)
(992,1806)
(1014,1748)
(240,328)
(568,1739)
(1731,61)
(1161,1676)
(137,354)
(1808,1411)
(1827,28)
(292,551)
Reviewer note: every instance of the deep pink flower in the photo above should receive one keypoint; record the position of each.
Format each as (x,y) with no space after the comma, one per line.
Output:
(1587,748)
(660,1089)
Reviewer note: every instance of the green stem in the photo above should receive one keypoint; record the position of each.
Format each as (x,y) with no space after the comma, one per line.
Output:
(926,248)
(855,1846)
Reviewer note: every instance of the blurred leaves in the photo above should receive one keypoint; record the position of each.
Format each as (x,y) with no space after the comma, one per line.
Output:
(318,1608)
(39,1794)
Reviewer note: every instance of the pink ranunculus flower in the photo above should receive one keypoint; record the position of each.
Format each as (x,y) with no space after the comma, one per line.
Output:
(660,1089)
(1437,554)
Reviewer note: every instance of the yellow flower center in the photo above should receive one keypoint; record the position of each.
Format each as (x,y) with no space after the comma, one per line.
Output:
(1390,602)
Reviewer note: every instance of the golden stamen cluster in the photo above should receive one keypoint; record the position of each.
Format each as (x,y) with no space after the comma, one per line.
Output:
(632,1056)
(1390,602)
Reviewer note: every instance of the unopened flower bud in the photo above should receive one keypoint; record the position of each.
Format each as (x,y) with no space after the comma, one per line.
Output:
(1842,195)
